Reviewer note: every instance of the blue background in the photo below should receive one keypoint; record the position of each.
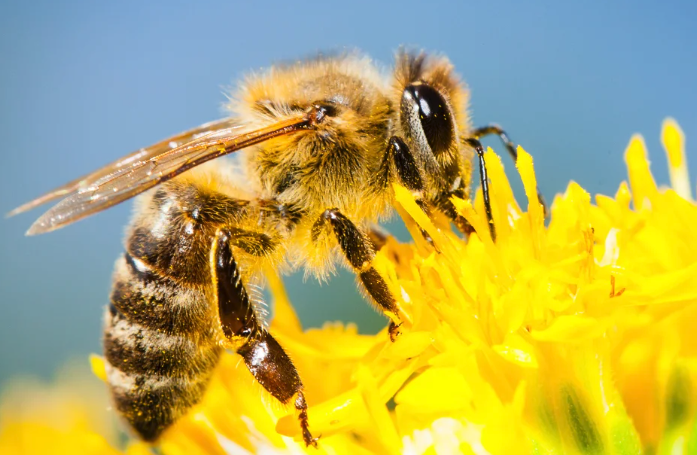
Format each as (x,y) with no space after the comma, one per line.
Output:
(82,83)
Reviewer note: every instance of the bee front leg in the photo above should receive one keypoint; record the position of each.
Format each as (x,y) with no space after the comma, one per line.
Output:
(484,181)
(357,248)
(263,356)
(496,130)
(408,174)
(445,205)
(400,157)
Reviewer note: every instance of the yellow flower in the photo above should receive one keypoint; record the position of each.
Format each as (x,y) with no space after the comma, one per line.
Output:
(577,337)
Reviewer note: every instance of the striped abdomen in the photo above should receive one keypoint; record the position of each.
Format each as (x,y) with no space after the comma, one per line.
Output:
(159,344)
(162,332)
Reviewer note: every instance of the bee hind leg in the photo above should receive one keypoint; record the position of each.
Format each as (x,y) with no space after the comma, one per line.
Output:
(262,354)
(273,369)
(358,250)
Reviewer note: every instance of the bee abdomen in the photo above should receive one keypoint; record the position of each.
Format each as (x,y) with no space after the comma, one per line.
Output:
(160,347)
(159,303)
(150,402)
(135,349)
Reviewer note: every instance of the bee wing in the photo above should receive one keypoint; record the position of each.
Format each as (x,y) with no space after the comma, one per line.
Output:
(142,170)
(155,149)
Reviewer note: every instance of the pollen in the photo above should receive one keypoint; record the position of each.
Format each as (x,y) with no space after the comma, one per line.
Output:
(575,336)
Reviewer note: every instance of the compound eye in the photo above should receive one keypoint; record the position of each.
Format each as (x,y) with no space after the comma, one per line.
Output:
(433,113)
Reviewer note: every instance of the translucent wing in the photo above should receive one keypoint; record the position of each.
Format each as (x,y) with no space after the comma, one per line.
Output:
(142,170)
(89,179)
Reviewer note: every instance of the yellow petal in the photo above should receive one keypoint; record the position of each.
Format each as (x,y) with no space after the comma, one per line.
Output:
(518,351)
(643,186)
(673,141)
(445,388)
(570,329)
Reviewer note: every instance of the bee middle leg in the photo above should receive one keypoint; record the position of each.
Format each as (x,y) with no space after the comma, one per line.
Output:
(358,250)
(262,354)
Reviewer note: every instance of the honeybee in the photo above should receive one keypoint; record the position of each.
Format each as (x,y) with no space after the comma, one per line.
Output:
(319,143)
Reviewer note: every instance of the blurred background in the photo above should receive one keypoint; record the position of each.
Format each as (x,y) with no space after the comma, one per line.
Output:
(83,83)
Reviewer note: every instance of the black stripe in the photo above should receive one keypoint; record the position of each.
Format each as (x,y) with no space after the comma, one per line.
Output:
(153,352)
(150,250)
(140,299)
(141,271)
(151,410)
